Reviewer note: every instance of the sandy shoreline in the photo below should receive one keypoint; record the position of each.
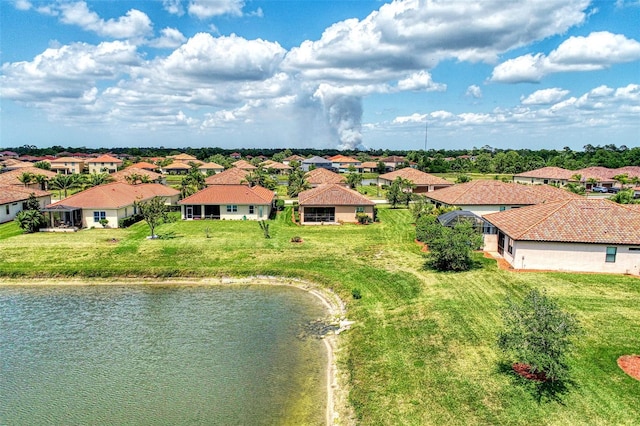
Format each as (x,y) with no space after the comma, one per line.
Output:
(336,395)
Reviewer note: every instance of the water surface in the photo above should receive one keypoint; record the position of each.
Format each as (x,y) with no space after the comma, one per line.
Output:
(225,355)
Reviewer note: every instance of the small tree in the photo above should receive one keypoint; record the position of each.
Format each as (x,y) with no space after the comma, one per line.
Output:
(154,211)
(354,179)
(451,248)
(30,219)
(537,332)
(265,228)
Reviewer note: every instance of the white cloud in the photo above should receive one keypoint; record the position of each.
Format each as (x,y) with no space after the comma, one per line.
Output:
(420,81)
(133,24)
(599,50)
(205,9)
(544,96)
(174,7)
(170,38)
(409,35)
(474,91)
(22,4)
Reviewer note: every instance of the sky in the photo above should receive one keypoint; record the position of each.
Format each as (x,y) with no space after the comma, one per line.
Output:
(346,74)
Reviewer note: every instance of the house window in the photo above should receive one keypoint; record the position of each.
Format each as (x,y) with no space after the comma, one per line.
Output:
(634,249)
(232,208)
(251,209)
(611,254)
(6,209)
(360,209)
(510,246)
(502,208)
(97,216)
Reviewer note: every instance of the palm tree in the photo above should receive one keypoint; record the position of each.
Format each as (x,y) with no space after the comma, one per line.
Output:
(297,183)
(95,179)
(26,178)
(354,179)
(42,180)
(64,183)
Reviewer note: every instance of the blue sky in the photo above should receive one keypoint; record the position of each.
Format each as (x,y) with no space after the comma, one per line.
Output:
(320,73)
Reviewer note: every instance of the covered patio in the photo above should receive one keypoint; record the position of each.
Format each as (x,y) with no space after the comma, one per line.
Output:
(61,218)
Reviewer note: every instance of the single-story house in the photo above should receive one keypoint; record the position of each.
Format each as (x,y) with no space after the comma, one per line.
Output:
(580,235)
(489,196)
(230,176)
(332,204)
(67,165)
(546,176)
(229,202)
(211,168)
(424,182)
(297,158)
(317,163)
(145,165)
(14,164)
(14,197)
(176,168)
(185,158)
(276,167)
(112,201)
(104,163)
(369,167)
(317,177)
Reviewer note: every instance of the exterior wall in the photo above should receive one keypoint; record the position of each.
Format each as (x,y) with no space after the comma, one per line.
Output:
(112,215)
(344,214)
(490,242)
(16,207)
(241,214)
(539,181)
(574,257)
(98,167)
(484,209)
(71,167)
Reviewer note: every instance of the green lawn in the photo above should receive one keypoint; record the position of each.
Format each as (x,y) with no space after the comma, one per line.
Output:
(422,350)
(452,176)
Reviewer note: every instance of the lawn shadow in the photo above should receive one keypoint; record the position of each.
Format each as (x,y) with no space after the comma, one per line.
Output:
(541,391)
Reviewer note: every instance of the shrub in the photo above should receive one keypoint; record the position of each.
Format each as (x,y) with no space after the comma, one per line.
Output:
(296,239)
(355,293)
(538,333)
(279,205)
(451,250)
(126,222)
(363,218)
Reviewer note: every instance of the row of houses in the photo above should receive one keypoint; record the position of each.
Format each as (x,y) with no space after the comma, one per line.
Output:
(589,176)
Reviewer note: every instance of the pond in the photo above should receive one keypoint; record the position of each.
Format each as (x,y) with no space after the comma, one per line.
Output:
(160,355)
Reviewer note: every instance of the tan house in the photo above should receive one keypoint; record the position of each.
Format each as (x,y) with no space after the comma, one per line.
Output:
(393,162)
(230,176)
(112,201)
(424,182)
(104,164)
(275,167)
(332,204)
(319,176)
(369,167)
(244,165)
(145,165)
(546,176)
(239,202)
(14,197)
(186,159)
(342,163)
(67,165)
(489,196)
(175,168)
(297,158)
(579,235)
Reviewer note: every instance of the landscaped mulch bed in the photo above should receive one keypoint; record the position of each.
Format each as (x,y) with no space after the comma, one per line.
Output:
(630,364)
(524,370)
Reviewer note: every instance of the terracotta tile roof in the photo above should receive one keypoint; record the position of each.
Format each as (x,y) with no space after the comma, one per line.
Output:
(105,159)
(66,160)
(211,166)
(11,177)
(415,176)
(549,173)
(230,194)
(121,176)
(17,165)
(270,164)
(144,165)
(601,174)
(116,195)
(631,171)
(576,220)
(370,164)
(244,164)
(183,157)
(294,158)
(495,192)
(333,195)
(13,194)
(393,159)
(343,159)
(177,166)
(322,176)
(230,176)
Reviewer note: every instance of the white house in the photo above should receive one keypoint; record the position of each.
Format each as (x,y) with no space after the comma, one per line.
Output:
(14,197)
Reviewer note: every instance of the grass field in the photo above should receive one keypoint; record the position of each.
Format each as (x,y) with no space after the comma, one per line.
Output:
(422,350)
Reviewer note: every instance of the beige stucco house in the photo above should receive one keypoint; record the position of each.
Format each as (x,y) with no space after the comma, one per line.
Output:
(489,196)
(112,201)
(332,204)
(67,165)
(424,182)
(14,197)
(546,176)
(580,235)
(239,202)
